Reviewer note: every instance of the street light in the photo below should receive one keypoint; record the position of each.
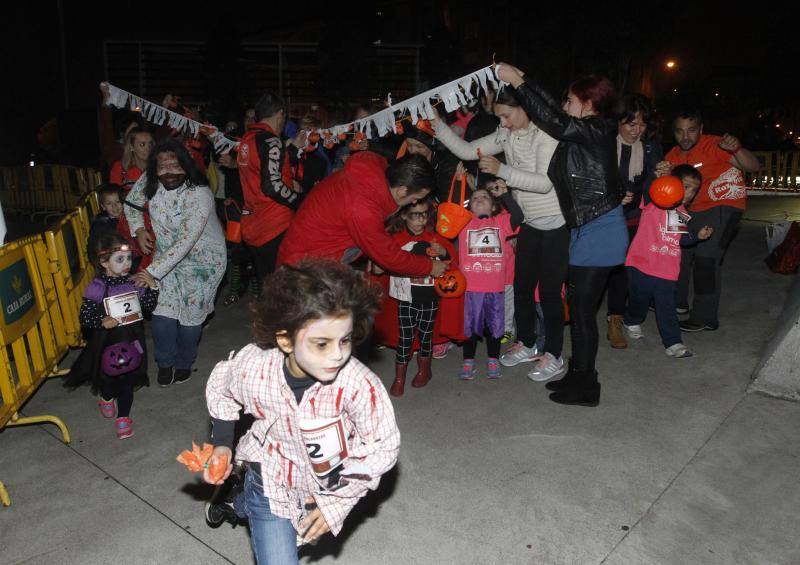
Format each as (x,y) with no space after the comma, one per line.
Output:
(671,64)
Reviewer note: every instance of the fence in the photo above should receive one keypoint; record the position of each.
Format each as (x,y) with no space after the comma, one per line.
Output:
(779,172)
(42,280)
(47,190)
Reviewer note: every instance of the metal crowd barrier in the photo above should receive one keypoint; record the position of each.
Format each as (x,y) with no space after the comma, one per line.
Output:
(42,281)
(46,190)
(779,172)
(33,338)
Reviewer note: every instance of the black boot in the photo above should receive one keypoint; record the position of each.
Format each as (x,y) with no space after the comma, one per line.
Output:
(583,391)
(564,382)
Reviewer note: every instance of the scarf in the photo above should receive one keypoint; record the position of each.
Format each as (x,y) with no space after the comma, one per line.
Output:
(637,157)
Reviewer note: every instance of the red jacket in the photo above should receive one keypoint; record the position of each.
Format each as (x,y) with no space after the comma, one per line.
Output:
(343,217)
(266,176)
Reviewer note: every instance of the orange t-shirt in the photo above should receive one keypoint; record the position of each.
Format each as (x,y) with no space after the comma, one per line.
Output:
(723,184)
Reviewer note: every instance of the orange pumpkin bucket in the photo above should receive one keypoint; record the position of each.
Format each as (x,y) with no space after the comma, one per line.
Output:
(233,225)
(452,284)
(451,217)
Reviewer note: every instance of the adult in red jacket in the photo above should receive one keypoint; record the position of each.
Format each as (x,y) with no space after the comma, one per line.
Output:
(270,194)
(343,217)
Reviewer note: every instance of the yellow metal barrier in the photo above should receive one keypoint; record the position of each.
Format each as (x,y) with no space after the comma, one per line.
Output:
(48,190)
(71,270)
(32,333)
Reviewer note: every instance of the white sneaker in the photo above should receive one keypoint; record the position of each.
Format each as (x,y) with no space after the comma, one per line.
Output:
(547,367)
(634,331)
(679,351)
(517,354)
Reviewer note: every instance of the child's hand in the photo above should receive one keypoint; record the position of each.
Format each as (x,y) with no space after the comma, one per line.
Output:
(109,322)
(705,232)
(499,188)
(460,170)
(217,455)
(143,279)
(437,249)
(314,525)
(663,168)
(628,197)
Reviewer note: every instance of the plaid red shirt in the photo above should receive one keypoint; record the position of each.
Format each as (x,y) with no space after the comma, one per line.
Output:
(254,380)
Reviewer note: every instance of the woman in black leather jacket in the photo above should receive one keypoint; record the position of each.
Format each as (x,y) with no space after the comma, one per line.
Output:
(586,178)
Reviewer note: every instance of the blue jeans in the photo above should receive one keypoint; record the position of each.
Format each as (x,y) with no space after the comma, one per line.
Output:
(175,344)
(273,538)
(641,289)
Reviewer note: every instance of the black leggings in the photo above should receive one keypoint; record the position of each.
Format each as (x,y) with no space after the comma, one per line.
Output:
(492,346)
(542,257)
(122,392)
(584,291)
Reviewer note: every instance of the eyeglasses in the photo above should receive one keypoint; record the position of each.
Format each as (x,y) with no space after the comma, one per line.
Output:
(418,215)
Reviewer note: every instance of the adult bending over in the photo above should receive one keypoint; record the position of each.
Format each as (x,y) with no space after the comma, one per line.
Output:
(344,215)
(586,178)
(189,254)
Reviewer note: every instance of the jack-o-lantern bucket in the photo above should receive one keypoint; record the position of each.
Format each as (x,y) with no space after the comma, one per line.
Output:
(452,284)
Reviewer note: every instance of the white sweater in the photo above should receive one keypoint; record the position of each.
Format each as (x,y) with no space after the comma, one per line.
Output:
(528,153)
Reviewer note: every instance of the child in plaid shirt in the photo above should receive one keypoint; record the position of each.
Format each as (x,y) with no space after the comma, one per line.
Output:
(324,429)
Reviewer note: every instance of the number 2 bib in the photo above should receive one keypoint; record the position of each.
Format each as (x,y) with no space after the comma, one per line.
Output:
(125,308)
(326,443)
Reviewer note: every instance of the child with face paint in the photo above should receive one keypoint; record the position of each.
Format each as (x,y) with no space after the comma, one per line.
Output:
(324,429)
(417,302)
(484,248)
(114,360)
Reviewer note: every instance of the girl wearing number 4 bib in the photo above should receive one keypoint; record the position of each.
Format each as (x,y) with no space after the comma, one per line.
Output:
(484,251)
(324,429)
(114,360)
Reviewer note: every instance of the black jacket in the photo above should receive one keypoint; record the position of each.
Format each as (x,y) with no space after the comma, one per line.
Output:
(584,166)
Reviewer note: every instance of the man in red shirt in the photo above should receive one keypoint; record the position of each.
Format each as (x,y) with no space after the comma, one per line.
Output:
(343,217)
(270,194)
(719,203)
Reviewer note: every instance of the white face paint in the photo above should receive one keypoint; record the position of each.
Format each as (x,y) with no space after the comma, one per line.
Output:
(321,348)
(118,264)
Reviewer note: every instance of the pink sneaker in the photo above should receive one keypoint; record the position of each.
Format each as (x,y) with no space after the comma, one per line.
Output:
(440,350)
(124,428)
(108,408)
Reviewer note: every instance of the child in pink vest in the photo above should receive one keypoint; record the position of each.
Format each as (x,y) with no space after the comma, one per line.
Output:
(654,262)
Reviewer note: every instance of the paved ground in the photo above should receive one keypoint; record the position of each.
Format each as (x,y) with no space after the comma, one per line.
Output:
(678,465)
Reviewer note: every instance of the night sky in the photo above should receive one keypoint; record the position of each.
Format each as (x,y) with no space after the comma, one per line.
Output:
(733,63)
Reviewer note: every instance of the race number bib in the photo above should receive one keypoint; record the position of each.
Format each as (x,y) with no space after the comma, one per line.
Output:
(125,308)
(677,222)
(485,242)
(326,443)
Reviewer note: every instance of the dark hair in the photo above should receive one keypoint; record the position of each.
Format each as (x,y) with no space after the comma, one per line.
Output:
(107,189)
(688,114)
(103,246)
(309,290)
(684,171)
(268,105)
(412,171)
(632,104)
(194,177)
(508,97)
(597,89)
(396,223)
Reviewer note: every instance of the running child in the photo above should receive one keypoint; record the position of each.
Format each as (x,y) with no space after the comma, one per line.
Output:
(324,429)
(654,262)
(483,249)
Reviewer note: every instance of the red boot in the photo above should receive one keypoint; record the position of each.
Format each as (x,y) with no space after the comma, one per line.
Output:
(424,374)
(399,379)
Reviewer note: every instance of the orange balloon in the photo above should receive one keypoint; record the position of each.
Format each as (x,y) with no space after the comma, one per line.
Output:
(452,284)
(667,192)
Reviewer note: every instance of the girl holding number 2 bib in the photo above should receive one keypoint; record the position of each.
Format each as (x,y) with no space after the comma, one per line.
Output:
(114,360)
